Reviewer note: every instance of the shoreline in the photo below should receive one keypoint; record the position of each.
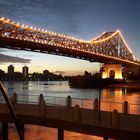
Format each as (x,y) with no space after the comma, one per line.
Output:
(91,82)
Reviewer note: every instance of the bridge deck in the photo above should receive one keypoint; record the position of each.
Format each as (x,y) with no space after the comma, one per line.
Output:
(85,121)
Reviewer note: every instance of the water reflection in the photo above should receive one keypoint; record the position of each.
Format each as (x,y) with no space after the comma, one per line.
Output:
(34,132)
(114,99)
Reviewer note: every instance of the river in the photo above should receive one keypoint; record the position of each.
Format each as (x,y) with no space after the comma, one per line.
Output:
(28,91)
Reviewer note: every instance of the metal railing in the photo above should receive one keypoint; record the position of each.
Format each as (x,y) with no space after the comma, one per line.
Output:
(83,103)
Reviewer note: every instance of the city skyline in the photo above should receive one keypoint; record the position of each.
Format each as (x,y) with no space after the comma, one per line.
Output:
(25,70)
(75,20)
(24,75)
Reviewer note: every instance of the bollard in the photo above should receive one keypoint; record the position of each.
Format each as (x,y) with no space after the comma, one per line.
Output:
(13,98)
(40,98)
(68,101)
(125,108)
(77,113)
(96,104)
(42,105)
(115,119)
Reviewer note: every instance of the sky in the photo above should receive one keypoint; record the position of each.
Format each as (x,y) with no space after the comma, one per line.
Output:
(83,19)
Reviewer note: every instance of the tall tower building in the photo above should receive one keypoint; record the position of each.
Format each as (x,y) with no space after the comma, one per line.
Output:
(10,69)
(25,70)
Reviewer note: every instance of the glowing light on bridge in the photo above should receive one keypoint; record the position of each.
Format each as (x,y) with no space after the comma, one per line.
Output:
(97,37)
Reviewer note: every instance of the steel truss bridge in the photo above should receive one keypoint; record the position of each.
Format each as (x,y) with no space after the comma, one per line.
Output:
(109,47)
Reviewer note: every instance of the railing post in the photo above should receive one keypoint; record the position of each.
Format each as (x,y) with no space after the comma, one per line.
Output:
(96,104)
(40,98)
(60,134)
(115,119)
(13,98)
(22,127)
(97,111)
(68,101)
(125,107)
(42,105)
(77,116)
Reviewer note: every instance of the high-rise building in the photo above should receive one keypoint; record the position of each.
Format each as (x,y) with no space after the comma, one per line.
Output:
(25,71)
(10,69)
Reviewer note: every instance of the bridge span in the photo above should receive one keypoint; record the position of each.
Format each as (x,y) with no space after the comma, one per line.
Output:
(109,47)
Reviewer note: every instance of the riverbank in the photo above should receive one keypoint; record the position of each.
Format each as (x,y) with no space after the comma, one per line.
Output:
(92,82)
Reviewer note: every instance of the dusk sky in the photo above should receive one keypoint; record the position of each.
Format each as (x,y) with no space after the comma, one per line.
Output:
(83,19)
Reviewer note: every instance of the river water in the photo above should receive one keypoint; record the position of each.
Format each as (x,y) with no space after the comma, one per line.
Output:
(52,90)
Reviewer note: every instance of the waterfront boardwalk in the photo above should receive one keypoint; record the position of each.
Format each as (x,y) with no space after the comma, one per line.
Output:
(89,121)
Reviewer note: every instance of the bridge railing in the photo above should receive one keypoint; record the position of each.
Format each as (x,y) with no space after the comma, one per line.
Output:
(110,106)
(83,103)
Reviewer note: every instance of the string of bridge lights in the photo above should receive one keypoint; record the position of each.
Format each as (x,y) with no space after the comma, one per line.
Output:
(40,30)
(93,41)
(97,37)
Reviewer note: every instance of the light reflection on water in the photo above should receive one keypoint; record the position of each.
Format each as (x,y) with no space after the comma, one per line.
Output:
(62,89)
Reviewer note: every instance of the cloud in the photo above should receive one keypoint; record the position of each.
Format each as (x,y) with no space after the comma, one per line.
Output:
(37,66)
(12,59)
(59,72)
(57,15)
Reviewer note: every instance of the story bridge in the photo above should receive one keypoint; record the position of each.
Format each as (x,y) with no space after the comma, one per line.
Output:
(108,48)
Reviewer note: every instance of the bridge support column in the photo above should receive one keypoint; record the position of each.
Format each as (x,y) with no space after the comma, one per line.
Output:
(4,131)
(112,70)
(60,134)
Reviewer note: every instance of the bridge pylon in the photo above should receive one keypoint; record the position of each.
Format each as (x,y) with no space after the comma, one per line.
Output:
(112,71)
